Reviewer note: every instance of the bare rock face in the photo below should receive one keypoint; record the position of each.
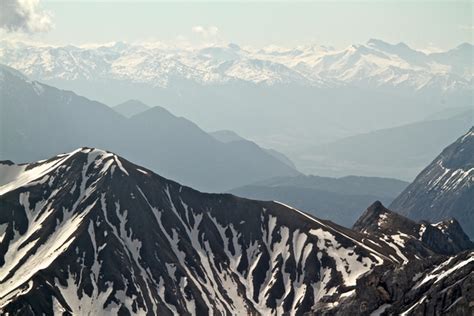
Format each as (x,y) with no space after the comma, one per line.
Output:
(432,286)
(411,238)
(88,232)
(444,189)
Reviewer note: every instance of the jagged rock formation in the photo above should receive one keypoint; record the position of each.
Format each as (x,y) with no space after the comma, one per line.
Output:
(414,240)
(89,230)
(90,233)
(432,286)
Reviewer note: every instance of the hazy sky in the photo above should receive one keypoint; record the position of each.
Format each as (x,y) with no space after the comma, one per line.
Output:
(420,24)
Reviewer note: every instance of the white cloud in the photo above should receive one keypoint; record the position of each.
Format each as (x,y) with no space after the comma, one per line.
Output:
(209,31)
(24,16)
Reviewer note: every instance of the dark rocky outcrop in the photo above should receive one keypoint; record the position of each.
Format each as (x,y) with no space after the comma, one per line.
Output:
(88,232)
(432,286)
(422,239)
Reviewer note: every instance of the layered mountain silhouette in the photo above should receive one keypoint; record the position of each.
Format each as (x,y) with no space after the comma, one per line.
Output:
(400,152)
(445,188)
(227,136)
(38,121)
(288,99)
(340,200)
(131,107)
(88,232)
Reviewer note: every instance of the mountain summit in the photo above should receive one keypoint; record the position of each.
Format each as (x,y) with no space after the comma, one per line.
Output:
(131,107)
(413,239)
(88,232)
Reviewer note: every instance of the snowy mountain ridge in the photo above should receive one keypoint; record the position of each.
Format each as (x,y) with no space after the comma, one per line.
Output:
(444,188)
(374,64)
(97,222)
(89,232)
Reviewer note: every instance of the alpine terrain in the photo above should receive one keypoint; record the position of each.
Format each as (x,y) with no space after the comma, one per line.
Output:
(290,99)
(445,188)
(166,158)
(372,64)
(38,121)
(88,232)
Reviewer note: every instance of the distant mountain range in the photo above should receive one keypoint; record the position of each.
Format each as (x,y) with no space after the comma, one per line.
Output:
(38,120)
(445,188)
(134,107)
(88,232)
(340,200)
(399,152)
(375,63)
(285,99)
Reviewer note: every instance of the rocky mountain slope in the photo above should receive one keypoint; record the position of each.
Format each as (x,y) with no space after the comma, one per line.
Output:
(425,283)
(432,286)
(412,239)
(445,188)
(38,121)
(89,232)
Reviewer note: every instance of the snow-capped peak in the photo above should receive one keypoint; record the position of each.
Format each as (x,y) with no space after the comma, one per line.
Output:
(88,232)
(375,63)
(90,226)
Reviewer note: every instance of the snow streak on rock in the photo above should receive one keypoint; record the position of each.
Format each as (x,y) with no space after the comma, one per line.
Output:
(88,232)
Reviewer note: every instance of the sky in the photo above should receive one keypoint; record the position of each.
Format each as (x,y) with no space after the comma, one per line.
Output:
(432,25)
